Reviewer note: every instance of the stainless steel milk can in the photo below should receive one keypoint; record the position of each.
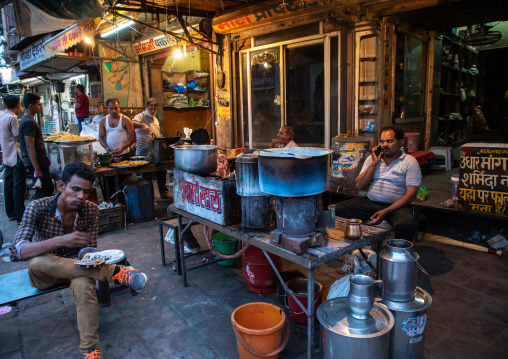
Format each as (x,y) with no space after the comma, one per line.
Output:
(398,270)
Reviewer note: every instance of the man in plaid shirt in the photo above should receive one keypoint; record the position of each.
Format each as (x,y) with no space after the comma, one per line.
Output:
(54,232)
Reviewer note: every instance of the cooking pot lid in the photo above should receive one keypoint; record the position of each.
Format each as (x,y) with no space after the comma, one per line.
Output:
(421,301)
(334,315)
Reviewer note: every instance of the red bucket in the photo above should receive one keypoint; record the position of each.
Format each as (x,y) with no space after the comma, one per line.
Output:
(299,288)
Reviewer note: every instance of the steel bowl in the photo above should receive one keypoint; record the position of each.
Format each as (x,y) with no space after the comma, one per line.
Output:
(197,159)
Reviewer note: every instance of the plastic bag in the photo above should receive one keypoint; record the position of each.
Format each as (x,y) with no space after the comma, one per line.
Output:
(170,236)
(422,194)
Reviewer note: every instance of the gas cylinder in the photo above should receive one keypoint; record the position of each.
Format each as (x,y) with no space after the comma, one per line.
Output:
(258,272)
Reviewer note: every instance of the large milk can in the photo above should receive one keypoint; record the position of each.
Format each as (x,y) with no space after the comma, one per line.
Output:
(398,270)
(355,327)
(407,338)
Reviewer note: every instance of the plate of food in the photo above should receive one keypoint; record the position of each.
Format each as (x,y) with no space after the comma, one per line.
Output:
(97,258)
(129,164)
(67,138)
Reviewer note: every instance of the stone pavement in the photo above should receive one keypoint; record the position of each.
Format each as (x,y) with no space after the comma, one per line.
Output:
(468,317)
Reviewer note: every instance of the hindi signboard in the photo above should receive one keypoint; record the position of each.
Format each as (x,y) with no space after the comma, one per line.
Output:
(483,182)
(32,54)
(70,37)
(265,13)
(153,44)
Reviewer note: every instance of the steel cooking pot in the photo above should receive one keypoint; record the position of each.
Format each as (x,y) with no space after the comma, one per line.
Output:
(198,159)
(282,172)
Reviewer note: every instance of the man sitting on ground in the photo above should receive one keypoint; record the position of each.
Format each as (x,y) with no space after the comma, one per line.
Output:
(53,233)
(395,177)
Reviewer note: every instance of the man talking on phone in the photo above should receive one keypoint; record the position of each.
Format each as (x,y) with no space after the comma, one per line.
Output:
(394,178)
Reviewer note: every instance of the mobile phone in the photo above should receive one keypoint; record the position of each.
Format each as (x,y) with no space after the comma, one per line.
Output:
(377,151)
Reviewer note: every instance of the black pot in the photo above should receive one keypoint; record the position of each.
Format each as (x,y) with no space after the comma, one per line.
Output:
(161,149)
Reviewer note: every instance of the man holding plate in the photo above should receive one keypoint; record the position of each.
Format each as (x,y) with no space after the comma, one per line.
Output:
(57,230)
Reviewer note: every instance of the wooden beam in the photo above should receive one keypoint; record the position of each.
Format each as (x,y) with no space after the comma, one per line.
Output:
(177,36)
(429,88)
(163,10)
(398,6)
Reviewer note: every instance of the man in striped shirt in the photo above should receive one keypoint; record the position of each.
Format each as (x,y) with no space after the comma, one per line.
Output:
(394,178)
(54,232)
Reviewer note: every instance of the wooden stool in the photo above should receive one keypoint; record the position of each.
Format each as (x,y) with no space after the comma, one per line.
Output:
(103,289)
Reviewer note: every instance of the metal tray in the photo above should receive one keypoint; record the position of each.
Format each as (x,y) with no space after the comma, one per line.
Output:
(138,158)
(84,142)
(129,167)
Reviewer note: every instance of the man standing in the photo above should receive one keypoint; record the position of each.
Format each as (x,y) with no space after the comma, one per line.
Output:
(395,178)
(146,125)
(116,131)
(284,138)
(15,172)
(57,230)
(82,105)
(33,151)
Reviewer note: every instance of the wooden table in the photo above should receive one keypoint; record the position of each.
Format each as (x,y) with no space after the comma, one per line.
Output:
(111,171)
(337,246)
(102,172)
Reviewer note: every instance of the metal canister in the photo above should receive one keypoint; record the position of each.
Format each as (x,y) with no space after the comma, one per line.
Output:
(407,338)
(255,203)
(398,270)
(247,176)
(344,337)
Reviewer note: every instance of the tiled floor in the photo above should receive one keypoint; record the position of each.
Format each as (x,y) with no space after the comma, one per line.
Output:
(467,319)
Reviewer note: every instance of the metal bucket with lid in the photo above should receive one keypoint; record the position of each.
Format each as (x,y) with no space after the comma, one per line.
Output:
(344,337)
(407,338)
(398,270)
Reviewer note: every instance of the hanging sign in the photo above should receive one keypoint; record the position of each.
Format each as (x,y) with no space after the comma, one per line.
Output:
(32,54)
(265,13)
(70,37)
(153,44)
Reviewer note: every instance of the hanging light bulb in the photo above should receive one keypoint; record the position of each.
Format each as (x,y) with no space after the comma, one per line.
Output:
(177,54)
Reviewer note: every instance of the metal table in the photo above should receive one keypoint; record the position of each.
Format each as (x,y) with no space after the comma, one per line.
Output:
(337,246)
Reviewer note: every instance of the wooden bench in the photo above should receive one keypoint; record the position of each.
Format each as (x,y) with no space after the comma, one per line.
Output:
(16,286)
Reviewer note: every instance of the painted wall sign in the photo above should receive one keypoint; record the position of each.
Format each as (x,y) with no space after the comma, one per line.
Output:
(32,54)
(265,13)
(71,37)
(153,44)
(483,183)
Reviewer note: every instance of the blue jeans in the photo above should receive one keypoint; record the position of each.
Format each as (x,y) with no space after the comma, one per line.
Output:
(80,120)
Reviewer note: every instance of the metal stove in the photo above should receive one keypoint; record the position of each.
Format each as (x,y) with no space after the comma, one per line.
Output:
(300,223)
(296,178)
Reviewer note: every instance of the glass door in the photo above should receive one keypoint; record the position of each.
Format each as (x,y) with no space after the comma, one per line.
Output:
(289,83)
(305,93)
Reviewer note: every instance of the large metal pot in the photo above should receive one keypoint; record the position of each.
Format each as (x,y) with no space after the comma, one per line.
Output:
(198,159)
(344,337)
(283,173)
(398,270)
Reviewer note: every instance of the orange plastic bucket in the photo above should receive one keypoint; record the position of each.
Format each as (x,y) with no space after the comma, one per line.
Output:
(258,328)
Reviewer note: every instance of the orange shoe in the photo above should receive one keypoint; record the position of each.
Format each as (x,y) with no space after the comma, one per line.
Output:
(92,353)
(131,277)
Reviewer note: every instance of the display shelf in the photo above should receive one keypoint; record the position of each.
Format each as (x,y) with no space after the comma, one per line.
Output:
(458,62)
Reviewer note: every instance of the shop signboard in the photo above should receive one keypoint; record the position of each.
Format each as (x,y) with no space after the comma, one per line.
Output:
(265,13)
(483,182)
(153,44)
(32,54)
(70,37)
